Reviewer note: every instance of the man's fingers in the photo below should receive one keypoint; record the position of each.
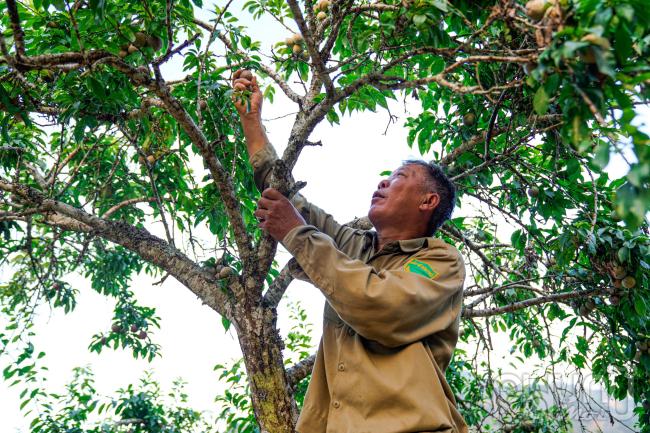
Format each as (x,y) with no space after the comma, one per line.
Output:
(254,86)
(245,84)
(276,215)
(243,81)
(240,86)
(237,74)
(263,203)
(272,194)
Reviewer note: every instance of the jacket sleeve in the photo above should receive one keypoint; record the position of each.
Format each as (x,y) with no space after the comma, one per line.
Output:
(262,163)
(393,307)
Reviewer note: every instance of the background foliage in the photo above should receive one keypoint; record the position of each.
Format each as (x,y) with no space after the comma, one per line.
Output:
(496,406)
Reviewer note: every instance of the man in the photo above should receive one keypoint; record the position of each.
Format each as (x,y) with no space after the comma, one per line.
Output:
(393,295)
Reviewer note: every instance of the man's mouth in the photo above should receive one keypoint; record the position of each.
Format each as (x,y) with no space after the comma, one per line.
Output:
(377,195)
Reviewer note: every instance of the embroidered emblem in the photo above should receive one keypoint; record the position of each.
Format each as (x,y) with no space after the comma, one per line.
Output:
(419,267)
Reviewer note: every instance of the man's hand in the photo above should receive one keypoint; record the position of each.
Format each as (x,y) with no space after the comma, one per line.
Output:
(277,215)
(248,108)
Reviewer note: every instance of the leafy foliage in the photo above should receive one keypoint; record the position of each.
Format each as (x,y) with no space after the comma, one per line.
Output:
(493,404)
(144,408)
(133,409)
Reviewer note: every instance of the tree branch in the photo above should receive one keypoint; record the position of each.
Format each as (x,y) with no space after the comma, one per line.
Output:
(299,371)
(19,35)
(362,223)
(277,288)
(125,203)
(44,61)
(467,146)
(129,421)
(592,106)
(12,149)
(141,77)
(66,223)
(138,240)
(312,47)
(399,83)
(170,53)
(384,82)
(379,7)
(454,232)
(467,313)
(221,177)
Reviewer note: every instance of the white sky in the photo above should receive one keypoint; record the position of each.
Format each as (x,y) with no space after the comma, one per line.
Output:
(341,177)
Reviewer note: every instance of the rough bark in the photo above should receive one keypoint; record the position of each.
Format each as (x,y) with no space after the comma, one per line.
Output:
(261,344)
(302,369)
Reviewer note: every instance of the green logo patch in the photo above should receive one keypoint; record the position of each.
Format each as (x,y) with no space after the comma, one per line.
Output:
(419,267)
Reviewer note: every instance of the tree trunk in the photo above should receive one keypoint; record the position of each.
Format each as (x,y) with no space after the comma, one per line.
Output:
(261,344)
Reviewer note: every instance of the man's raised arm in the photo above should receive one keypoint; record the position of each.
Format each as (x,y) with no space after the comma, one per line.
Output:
(250,111)
(262,156)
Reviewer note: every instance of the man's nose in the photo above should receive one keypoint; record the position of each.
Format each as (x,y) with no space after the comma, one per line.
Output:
(383,184)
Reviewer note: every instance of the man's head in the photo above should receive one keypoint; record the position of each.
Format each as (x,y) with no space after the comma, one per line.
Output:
(417,197)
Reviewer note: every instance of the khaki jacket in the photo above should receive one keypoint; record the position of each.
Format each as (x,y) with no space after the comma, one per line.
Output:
(390,325)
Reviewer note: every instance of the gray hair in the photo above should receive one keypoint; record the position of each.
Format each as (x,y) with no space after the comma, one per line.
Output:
(439,183)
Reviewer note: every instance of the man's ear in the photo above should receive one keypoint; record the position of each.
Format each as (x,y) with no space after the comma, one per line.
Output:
(430,201)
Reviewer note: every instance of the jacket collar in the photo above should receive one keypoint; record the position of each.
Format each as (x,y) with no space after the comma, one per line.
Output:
(412,245)
(407,246)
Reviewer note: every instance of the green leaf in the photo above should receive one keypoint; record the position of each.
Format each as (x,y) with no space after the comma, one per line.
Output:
(437,65)
(24,403)
(418,20)
(639,305)
(623,254)
(441,4)
(601,155)
(99,9)
(626,11)
(226,323)
(623,43)
(582,345)
(552,83)
(540,101)
(518,239)
(96,87)
(127,33)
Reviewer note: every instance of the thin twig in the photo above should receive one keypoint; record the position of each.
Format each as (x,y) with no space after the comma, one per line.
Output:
(169,54)
(125,203)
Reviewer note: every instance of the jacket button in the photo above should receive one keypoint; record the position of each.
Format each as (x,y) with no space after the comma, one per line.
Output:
(336,405)
(341,366)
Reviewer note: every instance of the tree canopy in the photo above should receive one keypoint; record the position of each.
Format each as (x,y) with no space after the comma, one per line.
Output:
(523,104)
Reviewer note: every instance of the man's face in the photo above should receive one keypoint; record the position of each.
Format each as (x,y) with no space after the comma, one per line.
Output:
(399,197)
